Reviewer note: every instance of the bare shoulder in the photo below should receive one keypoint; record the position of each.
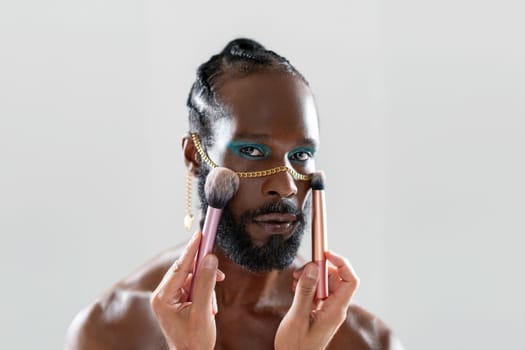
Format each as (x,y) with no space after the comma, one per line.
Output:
(362,330)
(121,318)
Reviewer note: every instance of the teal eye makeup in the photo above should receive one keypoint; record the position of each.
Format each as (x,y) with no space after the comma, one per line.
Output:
(249,150)
(301,154)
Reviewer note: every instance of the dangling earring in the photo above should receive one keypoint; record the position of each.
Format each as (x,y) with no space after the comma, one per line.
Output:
(188,218)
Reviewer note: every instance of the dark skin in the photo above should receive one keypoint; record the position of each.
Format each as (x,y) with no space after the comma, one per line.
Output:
(264,310)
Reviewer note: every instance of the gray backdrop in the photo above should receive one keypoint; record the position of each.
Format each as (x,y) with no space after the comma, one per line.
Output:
(422,107)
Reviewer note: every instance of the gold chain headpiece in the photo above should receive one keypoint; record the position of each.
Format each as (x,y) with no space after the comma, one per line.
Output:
(188,218)
(248,174)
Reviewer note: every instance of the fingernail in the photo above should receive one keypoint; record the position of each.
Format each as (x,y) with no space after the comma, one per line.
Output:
(193,237)
(312,271)
(210,262)
(215,308)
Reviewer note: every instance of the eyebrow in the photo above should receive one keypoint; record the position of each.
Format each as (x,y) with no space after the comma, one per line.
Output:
(307,141)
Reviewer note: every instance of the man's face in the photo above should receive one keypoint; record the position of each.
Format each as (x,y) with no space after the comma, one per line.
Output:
(272,122)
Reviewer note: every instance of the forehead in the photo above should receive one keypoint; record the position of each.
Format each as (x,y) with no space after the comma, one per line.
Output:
(273,104)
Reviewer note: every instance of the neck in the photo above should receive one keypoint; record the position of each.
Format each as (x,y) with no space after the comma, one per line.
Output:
(258,290)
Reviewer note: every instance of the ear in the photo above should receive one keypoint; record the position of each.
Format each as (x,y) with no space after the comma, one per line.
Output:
(191,156)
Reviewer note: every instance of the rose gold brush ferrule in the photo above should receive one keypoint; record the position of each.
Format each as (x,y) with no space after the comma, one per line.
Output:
(319,243)
(209,231)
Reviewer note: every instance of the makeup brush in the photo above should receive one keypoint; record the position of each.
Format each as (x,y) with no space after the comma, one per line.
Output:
(319,232)
(221,184)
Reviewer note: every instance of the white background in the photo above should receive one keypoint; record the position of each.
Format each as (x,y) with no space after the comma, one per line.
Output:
(421,105)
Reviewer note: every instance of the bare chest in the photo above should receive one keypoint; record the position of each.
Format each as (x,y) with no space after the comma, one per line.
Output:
(246,329)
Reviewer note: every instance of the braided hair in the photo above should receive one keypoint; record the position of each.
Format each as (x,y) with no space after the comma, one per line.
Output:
(238,59)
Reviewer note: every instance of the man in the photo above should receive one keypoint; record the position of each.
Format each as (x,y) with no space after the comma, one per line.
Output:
(250,111)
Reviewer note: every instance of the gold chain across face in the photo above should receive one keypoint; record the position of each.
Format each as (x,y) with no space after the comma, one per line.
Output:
(248,174)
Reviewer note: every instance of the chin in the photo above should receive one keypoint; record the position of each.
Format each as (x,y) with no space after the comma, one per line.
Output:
(275,253)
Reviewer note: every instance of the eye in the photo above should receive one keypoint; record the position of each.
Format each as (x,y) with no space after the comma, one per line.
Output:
(301,155)
(251,151)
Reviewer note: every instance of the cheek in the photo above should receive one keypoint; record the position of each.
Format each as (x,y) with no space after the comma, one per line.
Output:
(248,196)
(304,168)
(303,190)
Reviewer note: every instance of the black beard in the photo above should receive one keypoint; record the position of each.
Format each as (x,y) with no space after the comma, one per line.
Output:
(277,253)
(235,242)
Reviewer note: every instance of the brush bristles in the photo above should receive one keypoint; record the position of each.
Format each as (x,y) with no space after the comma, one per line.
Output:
(317,181)
(221,185)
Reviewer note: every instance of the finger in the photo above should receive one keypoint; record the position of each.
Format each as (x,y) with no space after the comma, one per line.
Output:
(297,273)
(333,279)
(305,291)
(344,269)
(341,291)
(204,284)
(179,271)
(220,276)
(181,295)
(215,308)
(187,282)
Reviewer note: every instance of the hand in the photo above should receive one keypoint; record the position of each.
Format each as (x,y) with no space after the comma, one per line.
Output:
(311,324)
(188,324)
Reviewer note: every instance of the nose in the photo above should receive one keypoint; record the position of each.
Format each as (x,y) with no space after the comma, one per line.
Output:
(281,185)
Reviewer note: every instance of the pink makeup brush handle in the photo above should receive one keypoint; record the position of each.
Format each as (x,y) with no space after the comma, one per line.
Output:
(209,231)
(319,244)
(322,285)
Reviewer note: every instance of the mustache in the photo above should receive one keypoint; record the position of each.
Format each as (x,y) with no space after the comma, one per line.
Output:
(281,207)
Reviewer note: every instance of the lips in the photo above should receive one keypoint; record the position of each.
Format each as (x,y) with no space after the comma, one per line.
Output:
(275,218)
(276,223)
